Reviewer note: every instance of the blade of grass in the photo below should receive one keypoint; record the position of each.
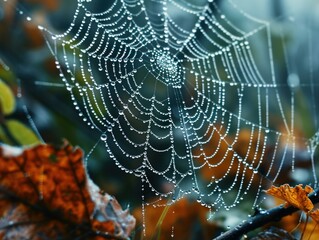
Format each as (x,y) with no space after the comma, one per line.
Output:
(160,222)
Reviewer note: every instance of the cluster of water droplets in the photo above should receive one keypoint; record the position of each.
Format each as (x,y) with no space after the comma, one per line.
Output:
(166,68)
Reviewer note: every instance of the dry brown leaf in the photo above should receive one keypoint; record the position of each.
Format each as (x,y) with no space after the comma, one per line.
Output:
(294,196)
(45,194)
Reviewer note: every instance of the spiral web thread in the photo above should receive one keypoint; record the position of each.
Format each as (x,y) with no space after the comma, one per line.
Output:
(167,84)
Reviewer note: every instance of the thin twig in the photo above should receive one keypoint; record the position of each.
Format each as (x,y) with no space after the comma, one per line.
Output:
(259,220)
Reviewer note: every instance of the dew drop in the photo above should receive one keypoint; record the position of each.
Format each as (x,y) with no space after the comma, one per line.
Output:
(103,137)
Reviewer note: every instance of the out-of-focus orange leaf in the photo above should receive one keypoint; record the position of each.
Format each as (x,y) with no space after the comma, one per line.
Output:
(274,233)
(289,222)
(45,194)
(48,4)
(294,196)
(50,66)
(315,215)
(248,147)
(311,231)
(292,223)
(179,220)
(34,37)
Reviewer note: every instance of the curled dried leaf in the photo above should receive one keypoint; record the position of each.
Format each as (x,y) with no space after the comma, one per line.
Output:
(294,196)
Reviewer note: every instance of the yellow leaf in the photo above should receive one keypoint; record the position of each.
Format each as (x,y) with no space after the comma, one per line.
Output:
(7,100)
(21,133)
(294,196)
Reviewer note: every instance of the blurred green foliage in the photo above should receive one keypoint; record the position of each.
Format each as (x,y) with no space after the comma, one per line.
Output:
(12,131)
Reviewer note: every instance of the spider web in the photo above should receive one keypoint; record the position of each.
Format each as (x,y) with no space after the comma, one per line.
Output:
(173,87)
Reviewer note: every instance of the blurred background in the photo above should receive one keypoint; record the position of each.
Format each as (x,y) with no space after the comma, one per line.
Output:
(33,113)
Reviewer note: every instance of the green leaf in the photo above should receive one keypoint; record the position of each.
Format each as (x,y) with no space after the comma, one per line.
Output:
(21,132)
(7,99)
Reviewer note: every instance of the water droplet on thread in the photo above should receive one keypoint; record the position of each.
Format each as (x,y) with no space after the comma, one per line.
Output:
(103,137)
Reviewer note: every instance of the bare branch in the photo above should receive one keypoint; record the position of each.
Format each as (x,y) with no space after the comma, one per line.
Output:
(263,218)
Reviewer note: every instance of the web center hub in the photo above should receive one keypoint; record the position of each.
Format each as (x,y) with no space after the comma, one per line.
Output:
(165,68)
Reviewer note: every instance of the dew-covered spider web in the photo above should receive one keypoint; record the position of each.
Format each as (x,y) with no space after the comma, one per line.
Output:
(182,98)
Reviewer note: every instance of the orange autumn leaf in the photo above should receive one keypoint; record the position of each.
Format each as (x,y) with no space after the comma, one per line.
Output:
(45,194)
(294,196)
